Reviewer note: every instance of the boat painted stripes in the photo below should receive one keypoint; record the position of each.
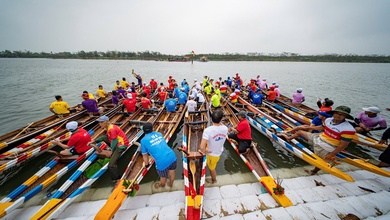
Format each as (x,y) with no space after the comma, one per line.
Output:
(255,162)
(8,167)
(69,192)
(34,129)
(166,123)
(194,163)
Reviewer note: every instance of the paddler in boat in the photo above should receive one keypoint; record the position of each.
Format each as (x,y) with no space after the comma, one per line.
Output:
(59,107)
(161,87)
(130,104)
(170,104)
(153,84)
(369,120)
(117,141)
(229,82)
(325,105)
(191,104)
(257,98)
(197,85)
(138,77)
(215,100)
(153,143)
(298,97)
(337,134)
(277,90)
(186,88)
(114,98)
(385,156)
(263,84)
(200,98)
(242,133)
(271,94)
(215,137)
(182,98)
(145,102)
(90,105)
(121,93)
(117,84)
(176,91)
(100,93)
(77,143)
(124,83)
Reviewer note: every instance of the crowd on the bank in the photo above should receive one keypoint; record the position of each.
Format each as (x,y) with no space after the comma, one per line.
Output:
(329,133)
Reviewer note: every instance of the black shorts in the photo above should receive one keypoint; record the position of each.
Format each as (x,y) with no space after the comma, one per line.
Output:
(385,156)
(73,151)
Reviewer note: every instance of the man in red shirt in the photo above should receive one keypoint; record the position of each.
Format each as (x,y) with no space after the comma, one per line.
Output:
(77,142)
(242,133)
(117,141)
(145,102)
(162,95)
(271,96)
(153,84)
(130,104)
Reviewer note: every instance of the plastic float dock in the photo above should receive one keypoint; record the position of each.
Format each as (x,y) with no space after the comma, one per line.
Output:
(239,196)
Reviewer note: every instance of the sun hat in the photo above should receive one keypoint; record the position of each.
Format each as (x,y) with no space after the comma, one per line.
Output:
(72,126)
(242,113)
(343,109)
(372,109)
(130,96)
(102,119)
(147,127)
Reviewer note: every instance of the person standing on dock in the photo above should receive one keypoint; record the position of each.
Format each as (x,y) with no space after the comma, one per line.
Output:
(215,137)
(59,107)
(117,141)
(338,133)
(78,141)
(298,97)
(242,133)
(153,143)
(369,120)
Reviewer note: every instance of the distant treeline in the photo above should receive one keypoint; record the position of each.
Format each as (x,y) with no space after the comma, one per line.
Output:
(150,55)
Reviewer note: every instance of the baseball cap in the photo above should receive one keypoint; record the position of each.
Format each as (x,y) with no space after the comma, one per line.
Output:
(325,114)
(102,119)
(372,109)
(147,127)
(129,96)
(72,126)
(299,90)
(242,113)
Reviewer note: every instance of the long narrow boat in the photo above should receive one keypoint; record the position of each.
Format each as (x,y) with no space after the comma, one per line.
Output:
(194,163)
(303,153)
(34,129)
(166,124)
(256,163)
(19,156)
(49,174)
(80,181)
(344,156)
(302,109)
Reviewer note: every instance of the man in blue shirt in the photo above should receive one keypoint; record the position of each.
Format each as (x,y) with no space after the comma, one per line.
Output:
(229,81)
(182,99)
(257,98)
(170,103)
(154,143)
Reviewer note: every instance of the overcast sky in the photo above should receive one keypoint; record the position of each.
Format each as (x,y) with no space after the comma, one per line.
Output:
(205,26)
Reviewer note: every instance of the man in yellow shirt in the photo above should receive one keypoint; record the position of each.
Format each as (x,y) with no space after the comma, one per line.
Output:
(59,107)
(124,84)
(100,93)
(117,84)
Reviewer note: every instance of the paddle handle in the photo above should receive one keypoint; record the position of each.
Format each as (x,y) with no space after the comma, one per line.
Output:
(22,131)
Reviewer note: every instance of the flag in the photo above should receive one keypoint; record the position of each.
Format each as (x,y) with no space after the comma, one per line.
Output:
(193,53)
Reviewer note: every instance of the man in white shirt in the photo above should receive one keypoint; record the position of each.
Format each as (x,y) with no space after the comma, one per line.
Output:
(215,136)
(191,104)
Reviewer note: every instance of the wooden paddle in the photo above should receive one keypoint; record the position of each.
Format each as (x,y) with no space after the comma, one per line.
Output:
(193,171)
(22,131)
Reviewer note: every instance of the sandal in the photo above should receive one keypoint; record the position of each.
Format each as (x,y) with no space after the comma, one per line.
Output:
(209,180)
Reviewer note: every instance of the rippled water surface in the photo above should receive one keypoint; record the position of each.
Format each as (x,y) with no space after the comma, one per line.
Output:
(28,86)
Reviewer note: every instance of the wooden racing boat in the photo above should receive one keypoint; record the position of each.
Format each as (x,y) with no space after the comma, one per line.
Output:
(166,123)
(16,158)
(194,163)
(81,181)
(34,129)
(277,126)
(256,163)
(49,174)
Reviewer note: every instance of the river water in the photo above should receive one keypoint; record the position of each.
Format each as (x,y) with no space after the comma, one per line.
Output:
(28,86)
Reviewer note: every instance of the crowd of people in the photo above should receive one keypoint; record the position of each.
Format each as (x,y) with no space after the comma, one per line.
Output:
(329,133)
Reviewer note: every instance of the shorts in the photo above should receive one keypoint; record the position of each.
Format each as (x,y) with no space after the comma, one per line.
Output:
(164,173)
(385,156)
(73,151)
(313,140)
(212,161)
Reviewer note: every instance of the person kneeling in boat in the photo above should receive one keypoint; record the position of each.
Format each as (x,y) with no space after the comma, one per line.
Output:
(369,120)
(130,104)
(182,98)
(77,142)
(242,133)
(117,141)
(215,137)
(154,143)
(59,107)
(337,134)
